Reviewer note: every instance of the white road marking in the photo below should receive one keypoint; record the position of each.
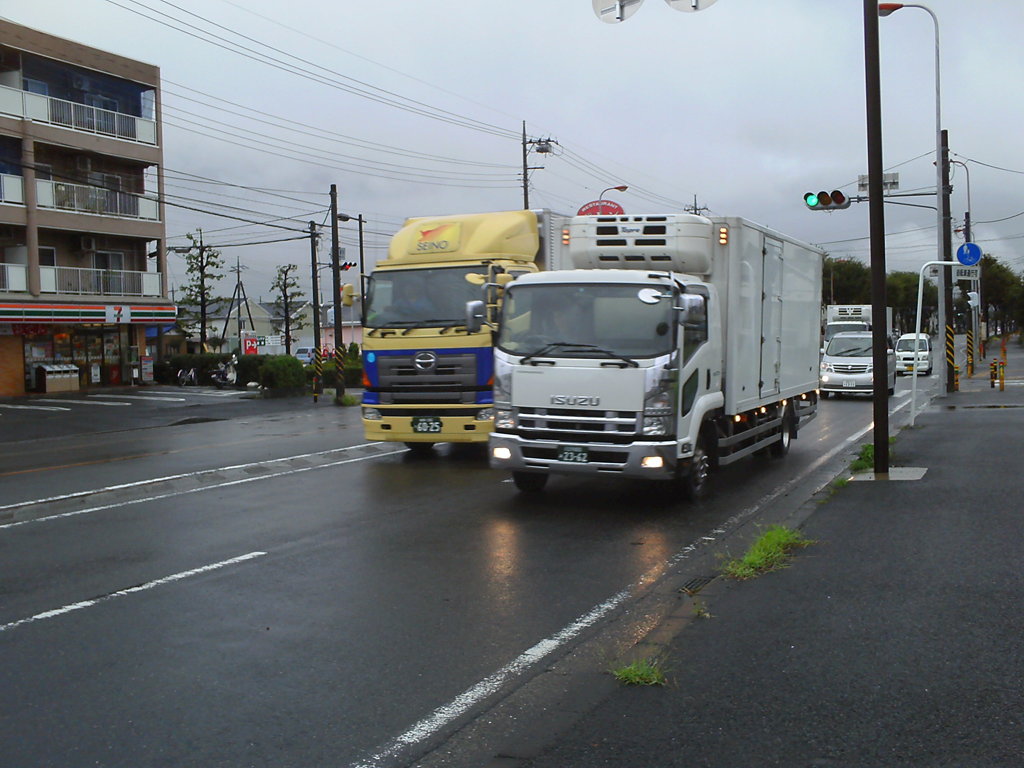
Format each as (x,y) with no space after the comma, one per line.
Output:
(442,716)
(211,487)
(200,473)
(35,407)
(80,402)
(131,590)
(464,701)
(142,397)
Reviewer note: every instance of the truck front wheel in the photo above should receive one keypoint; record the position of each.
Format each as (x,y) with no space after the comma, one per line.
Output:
(695,482)
(780,448)
(529,482)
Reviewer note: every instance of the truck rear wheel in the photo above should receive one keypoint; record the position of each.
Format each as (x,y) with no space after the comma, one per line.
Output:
(695,482)
(780,448)
(529,482)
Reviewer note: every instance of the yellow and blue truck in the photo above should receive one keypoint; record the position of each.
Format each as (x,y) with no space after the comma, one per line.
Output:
(426,378)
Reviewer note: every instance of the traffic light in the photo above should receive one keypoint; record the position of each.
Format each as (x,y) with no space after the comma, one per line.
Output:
(827,201)
(973,300)
(346,265)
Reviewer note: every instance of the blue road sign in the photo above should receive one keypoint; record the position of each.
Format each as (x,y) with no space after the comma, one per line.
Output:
(968,254)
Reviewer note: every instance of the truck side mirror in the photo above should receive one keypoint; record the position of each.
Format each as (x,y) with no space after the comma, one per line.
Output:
(476,316)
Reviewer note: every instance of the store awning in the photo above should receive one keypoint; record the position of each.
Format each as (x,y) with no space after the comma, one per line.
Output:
(107,314)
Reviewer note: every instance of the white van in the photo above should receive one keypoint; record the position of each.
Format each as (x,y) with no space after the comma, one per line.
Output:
(906,359)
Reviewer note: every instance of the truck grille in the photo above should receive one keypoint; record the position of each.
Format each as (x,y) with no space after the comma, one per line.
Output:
(578,426)
(453,380)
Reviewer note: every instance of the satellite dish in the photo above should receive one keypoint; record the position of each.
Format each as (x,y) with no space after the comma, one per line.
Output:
(614,11)
(688,5)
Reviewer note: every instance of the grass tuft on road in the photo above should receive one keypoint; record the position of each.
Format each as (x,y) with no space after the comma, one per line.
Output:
(866,458)
(641,672)
(771,551)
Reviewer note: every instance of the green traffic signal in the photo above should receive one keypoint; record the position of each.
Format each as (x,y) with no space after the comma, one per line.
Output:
(827,201)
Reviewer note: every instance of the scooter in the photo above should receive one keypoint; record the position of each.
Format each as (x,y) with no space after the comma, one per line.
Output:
(225,373)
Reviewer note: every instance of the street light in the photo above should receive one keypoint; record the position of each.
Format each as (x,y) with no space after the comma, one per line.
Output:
(600,199)
(885,9)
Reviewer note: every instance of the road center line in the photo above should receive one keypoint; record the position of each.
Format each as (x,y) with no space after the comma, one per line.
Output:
(129,591)
(200,473)
(188,491)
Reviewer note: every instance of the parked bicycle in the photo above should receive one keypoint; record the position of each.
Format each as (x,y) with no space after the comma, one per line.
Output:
(188,376)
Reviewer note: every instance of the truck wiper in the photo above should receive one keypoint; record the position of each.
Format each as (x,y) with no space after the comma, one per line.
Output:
(546,349)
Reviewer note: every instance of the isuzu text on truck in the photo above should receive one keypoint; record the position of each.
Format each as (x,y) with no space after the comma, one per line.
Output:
(678,345)
(426,378)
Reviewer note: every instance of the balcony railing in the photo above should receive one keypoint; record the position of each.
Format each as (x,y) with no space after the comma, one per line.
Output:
(12,188)
(13,278)
(98,282)
(81,198)
(79,117)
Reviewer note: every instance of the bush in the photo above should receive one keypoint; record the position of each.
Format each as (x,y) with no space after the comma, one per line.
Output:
(353,375)
(282,372)
(248,368)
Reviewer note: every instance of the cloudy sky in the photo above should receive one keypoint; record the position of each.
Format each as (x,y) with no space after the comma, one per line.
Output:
(415,108)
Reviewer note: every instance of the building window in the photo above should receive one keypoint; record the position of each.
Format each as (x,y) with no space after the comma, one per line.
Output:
(47,256)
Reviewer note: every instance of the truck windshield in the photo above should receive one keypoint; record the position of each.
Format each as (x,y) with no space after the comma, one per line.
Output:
(420,298)
(585,320)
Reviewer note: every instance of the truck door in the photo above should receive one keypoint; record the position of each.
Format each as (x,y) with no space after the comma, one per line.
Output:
(771,318)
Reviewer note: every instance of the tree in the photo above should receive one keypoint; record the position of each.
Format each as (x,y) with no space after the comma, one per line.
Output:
(202,264)
(1000,291)
(285,284)
(901,294)
(845,281)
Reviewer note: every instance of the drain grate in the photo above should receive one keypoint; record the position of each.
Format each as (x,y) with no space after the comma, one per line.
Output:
(695,585)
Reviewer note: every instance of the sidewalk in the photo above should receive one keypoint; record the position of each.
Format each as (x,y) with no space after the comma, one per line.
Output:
(896,640)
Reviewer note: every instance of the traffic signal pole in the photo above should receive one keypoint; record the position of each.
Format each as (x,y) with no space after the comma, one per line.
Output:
(876,209)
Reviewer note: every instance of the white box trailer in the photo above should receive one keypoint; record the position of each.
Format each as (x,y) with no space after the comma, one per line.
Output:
(694,344)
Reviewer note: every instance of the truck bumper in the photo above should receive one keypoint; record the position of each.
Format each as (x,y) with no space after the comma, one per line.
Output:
(454,426)
(643,460)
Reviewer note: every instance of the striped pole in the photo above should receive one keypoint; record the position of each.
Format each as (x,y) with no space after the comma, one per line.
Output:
(950,355)
(318,373)
(970,353)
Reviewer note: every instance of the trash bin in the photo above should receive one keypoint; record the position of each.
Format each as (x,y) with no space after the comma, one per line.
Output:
(57,377)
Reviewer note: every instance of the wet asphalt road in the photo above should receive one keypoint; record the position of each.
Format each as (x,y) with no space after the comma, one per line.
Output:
(287,594)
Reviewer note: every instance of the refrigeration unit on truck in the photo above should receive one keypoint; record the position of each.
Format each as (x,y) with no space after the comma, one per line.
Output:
(426,378)
(679,344)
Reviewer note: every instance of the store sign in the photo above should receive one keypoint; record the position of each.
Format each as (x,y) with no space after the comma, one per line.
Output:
(118,314)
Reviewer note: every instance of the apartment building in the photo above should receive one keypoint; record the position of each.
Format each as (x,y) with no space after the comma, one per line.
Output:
(83,269)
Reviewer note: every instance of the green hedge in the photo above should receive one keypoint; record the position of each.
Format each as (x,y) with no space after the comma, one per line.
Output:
(282,372)
(353,374)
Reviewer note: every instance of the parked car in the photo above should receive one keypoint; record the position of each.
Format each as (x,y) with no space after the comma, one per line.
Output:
(847,365)
(305,355)
(905,357)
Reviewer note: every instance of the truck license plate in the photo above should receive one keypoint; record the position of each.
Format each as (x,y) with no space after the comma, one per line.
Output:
(575,454)
(426,424)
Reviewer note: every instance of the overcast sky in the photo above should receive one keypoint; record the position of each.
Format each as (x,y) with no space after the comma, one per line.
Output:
(416,108)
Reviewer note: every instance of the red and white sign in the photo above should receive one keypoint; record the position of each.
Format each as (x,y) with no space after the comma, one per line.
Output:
(600,207)
(249,345)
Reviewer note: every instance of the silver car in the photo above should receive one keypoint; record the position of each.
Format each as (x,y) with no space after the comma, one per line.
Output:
(846,365)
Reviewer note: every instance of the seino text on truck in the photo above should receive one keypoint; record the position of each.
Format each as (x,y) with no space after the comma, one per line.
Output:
(677,345)
(426,377)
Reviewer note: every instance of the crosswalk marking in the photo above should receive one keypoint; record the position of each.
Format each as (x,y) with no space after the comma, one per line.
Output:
(165,398)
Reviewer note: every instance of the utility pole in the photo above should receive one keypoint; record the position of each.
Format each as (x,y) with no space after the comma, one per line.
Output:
(336,271)
(543,148)
(317,361)
(946,300)
(696,209)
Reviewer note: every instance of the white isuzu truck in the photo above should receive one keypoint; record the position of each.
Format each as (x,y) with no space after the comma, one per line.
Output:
(678,344)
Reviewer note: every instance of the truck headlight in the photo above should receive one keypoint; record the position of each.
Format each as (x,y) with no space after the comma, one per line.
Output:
(371,414)
(484,414)
(657,425)
(504,419)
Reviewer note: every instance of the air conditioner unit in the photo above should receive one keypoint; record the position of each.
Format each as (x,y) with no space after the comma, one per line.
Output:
(83,163)
(86,243)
